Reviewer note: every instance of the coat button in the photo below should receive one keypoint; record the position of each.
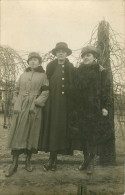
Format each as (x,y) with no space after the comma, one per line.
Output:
(62,92)
(62,85)
(62,78)
(63,66)
(62,71)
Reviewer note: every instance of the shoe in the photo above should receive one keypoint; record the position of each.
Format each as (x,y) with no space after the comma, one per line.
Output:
(90,168)
(51,165)
(48,166)
(54,167)
(84,165)
(12,170)
(28,167)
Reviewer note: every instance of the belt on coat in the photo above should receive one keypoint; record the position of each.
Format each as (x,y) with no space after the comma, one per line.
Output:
(27,93)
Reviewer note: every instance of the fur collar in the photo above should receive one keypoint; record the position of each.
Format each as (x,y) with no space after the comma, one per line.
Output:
(94,65)
(37,69)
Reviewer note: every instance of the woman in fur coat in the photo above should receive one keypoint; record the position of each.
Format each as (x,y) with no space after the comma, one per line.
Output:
(93,105)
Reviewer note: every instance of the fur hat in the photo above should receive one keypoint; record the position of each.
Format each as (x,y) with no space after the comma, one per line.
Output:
(34,55)
(90,49)
(61,45)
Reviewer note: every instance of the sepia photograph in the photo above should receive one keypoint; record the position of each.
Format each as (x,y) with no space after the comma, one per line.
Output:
(62,97)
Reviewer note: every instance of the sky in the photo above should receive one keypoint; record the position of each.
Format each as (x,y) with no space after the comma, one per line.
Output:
(38,25)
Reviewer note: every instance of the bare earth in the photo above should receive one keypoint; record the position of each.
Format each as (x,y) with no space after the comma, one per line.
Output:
(66,180)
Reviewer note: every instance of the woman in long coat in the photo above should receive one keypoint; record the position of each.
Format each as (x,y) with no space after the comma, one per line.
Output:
(59,73)
(93,106)
(30,96)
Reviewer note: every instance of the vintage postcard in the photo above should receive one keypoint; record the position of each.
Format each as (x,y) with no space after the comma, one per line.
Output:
(62,97)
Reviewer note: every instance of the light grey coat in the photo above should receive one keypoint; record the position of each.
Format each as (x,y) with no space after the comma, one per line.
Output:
(30,96)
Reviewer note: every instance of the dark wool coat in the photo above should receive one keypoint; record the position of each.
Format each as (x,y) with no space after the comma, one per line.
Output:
(92,93)
(30,96)
(56,136)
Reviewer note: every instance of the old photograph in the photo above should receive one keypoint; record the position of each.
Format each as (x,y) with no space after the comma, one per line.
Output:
(62,97)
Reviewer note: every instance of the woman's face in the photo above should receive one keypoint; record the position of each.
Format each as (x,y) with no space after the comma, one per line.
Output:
(88,58)
(61,54)
(34,62)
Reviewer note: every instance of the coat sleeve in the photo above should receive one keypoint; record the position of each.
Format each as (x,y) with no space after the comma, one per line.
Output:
(77,90)
(106,90)
(16,91)
(42,98)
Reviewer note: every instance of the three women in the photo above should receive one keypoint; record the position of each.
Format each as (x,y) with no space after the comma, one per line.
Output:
(32,89)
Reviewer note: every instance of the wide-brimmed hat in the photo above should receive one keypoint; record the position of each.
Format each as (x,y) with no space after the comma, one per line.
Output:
(34,55)
(61,45)
(90,49)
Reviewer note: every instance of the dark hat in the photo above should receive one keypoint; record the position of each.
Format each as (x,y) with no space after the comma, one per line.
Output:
(61,45)
(90,49)
(34,55)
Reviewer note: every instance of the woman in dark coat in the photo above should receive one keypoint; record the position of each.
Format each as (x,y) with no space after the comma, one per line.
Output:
(93,103)
(59,73)
(31,93)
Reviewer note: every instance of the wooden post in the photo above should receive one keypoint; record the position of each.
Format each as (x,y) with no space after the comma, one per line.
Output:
(5,108)
(104,47)
(82,189)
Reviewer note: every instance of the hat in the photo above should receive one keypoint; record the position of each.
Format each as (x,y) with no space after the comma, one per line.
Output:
(34,55)
(61,45)
(90,49)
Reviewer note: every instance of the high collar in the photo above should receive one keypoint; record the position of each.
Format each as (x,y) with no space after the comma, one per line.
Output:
(56,61)
(37,69)
(51,67)
(93,65)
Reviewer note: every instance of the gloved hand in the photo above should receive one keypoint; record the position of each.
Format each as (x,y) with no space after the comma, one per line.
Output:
(104,112)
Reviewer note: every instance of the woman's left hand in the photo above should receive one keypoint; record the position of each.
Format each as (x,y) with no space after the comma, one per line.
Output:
(37,103)
(104,112)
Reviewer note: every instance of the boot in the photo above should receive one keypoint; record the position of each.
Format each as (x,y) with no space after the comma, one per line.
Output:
(48,166)
(13,167)
(54,165)
(90,168)
(85,163)
(51,165)
(28,165)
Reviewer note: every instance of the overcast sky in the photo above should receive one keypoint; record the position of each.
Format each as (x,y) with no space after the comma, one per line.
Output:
(39,25)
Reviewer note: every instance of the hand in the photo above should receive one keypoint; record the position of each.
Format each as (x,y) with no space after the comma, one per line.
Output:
(104,112)
(101,68)
(38,104)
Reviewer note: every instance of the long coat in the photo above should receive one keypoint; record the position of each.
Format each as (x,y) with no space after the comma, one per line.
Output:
(30,96)
(57,108)
(93,94)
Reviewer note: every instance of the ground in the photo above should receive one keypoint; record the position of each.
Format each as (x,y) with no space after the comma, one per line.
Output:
(67,180)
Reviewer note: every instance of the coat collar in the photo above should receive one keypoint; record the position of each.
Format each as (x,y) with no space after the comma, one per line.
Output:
(53,64)
(38,69)
(94,65)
